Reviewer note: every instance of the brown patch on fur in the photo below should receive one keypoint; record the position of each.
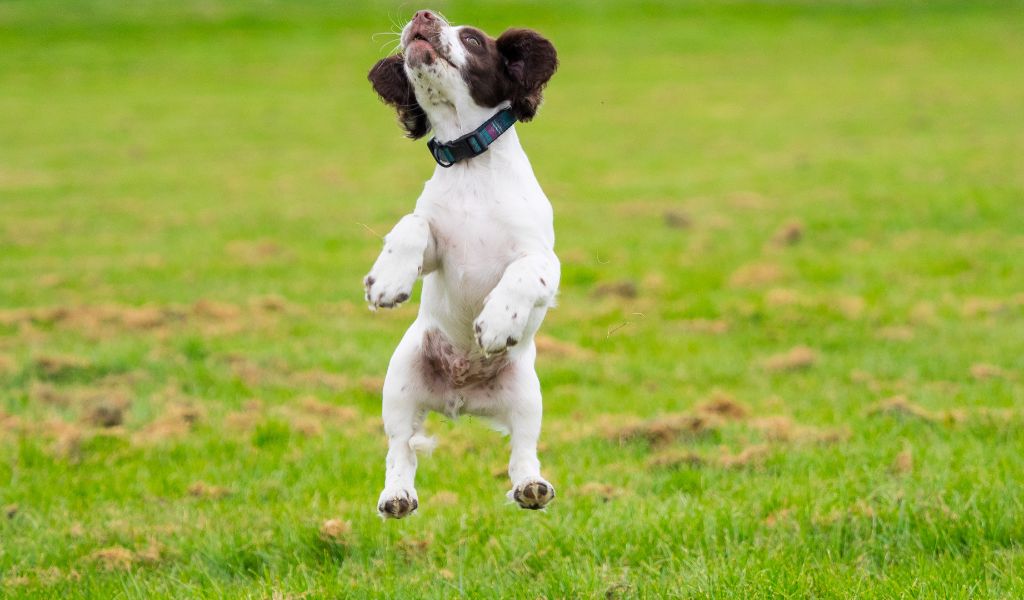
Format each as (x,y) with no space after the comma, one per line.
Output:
(335,531)
(449,366)
(549,346)
(751,456)
(529,62)
(755,275)
(604,491)
(675,458)
(789,234)
(797,358)
(619,289)
(201,489)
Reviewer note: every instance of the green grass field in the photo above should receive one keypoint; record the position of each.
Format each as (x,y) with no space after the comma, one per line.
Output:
(788,359)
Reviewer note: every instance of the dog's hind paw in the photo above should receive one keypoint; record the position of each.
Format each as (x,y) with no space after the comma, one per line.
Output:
(396,504)
(533,494)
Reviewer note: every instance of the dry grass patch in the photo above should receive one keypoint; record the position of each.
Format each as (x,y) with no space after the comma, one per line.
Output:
(778,428)
(798,358)
(789,233)
(115,558)
(751,456)
(895,333)
(756,275)
(335,531)
(664,429)
(58,365)
(606,492)
(901,407)
(724,406)
(903,463)
(552,347)
(706,326)
(178,420)
(8,366)
(201,489)
(619,289)
(335,382)
(983,371)
(676,458)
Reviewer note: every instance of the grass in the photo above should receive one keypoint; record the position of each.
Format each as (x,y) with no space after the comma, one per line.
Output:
(808,212)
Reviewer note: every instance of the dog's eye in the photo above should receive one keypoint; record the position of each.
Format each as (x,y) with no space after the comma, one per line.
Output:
(472,40)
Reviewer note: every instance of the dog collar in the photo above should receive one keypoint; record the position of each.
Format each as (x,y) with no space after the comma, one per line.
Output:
(472,144)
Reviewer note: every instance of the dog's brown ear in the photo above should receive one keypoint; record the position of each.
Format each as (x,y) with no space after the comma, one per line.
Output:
(530,61)
(392,85)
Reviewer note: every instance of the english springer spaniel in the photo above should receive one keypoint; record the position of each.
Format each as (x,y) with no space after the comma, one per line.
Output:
(482,238)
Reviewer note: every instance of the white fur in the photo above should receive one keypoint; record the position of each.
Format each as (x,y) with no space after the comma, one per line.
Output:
(481,236)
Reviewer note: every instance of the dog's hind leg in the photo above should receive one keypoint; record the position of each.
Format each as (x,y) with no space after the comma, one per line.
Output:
(403,424)
(522,416)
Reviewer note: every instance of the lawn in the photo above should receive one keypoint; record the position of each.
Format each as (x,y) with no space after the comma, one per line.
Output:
(787,361)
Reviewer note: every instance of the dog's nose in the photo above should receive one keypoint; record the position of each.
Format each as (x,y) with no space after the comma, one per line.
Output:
(424,16)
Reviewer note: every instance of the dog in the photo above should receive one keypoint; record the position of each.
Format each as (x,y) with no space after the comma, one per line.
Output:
(482,238)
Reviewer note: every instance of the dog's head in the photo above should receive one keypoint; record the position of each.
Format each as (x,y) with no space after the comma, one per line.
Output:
(447,73)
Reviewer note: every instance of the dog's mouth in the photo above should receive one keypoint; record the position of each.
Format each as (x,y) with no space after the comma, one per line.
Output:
(425,42)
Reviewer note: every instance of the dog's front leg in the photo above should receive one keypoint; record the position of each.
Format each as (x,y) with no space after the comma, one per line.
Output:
(409,251)
(529,283)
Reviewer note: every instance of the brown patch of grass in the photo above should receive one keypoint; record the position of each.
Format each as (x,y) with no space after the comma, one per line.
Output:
(677,219)
(57,366)
(899,406)
(312,405)
(549,346)
(666,428)
(620,289)
(105,408)
(48,394)
(676,458)
(983,307)
(10,510)
(335,531)
(789,234)
(177,420)
(317,377)
(371,384)
(213,310)
(778,428)
(115,558)
(756,275)
(8,365)
(708,326)
(903,463)
(254,252)
(751,456)
(982,371)
(895,333)
(796,359)
(923,313)
(778,297)
(783,515)
(604,491)
(724,406)
(201,489)
(143,317)
(851,307)
(67,438)
(271,303)
(446,498)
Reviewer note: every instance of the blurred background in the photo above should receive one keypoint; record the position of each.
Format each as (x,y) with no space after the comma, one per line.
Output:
(801,222)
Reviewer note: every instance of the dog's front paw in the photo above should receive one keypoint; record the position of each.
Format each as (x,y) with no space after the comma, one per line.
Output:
(390,283)
(533,493)
(500,326)
(397,503)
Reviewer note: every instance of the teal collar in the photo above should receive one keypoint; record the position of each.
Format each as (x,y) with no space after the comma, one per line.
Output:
(474,143)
